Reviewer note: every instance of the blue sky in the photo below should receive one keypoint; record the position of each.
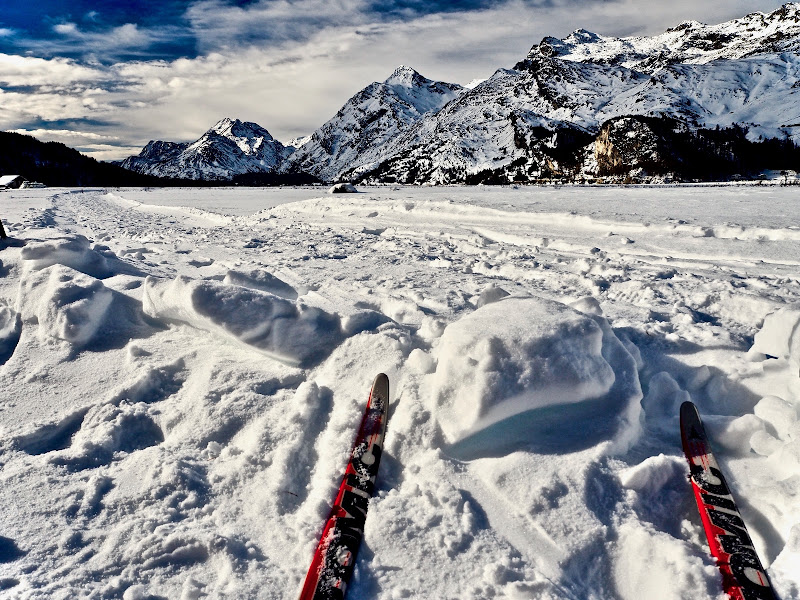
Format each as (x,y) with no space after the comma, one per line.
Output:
(107,76)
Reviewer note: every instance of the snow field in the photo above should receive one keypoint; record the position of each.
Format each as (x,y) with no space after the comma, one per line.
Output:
(180,388)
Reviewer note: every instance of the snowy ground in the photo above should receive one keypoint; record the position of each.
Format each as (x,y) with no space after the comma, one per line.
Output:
(179,387)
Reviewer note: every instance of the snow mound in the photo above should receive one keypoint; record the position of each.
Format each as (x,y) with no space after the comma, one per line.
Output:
(10,329)
(779,336)
(290,332)
(73,251)
(519,355)
(779,413)
(343,188)
(107,430)
(66,304)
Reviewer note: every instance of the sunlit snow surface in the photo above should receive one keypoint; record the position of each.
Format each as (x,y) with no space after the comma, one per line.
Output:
(182,372)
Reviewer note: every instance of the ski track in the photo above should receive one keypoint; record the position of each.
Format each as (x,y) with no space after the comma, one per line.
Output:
(151,457)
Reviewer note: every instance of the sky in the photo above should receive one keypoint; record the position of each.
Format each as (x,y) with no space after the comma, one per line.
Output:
(107,76)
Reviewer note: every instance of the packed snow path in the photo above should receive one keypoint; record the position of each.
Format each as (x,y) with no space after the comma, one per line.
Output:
(182,373)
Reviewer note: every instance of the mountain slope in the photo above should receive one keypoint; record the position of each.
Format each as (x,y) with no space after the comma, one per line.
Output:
(369,121)
(531,120)
(688,43)
(229,148)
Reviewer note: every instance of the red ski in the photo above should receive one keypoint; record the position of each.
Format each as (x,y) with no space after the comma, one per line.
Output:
(743,577)
(335,557)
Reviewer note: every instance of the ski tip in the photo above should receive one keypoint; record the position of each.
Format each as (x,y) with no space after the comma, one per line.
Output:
(381,381)
(689,410)
(381,386)
(692,429)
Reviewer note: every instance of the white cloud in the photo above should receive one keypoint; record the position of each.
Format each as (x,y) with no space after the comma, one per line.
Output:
(50,135)
(124,36)
(126,39)
(57,72)
(217,25)
(69,29)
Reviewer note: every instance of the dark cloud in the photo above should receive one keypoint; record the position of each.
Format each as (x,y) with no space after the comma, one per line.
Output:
(121,30)
(415,8)
(98,29)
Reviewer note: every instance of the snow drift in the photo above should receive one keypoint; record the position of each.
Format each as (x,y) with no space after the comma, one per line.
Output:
(514,356)
(291,332)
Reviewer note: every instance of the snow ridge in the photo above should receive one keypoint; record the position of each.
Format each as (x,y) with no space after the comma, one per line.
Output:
(688,43)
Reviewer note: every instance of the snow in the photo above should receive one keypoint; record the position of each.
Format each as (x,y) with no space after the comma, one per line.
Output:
(183,372)
(690,42)
(287,331)
(492,367)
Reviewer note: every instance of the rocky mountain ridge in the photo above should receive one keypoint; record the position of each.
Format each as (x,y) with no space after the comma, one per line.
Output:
(546,117)
(540,119)
(690,42)
(369,121)
(231,147)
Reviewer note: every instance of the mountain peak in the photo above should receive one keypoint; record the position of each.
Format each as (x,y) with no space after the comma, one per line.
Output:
(404,75)
(691,42)
(685,25)
(234,128)
(225,123)
(583,36)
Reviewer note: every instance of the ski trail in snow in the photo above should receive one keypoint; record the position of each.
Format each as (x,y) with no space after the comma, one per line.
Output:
(530,539)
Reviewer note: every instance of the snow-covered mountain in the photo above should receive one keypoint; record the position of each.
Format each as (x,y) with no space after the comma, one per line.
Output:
(690,42)
(546,116)
(368,121)
(229,148)
(541,117)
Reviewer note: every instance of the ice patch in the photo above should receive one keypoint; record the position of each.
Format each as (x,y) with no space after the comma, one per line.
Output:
(514,356)
(291,332)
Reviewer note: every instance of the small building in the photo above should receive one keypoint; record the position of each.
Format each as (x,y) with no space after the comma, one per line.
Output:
(11,181)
